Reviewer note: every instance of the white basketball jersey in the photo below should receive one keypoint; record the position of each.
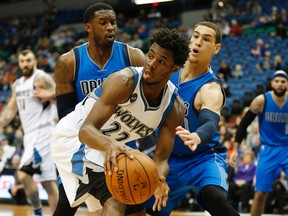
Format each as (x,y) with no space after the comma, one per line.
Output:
(134,119)
(33,114)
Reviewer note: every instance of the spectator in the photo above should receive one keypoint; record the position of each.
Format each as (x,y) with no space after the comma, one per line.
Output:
(253,138)
(241,188)
(277,199)
(6,154)
(278,62)
(236,29)
(259,49)
(17,190)
(136,41)
(237,73)
(224,70)
(266,63)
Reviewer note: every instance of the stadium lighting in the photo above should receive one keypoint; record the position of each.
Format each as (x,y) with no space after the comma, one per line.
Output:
(140,2)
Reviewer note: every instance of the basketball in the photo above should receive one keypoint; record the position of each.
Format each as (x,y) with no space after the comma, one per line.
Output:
(136,179)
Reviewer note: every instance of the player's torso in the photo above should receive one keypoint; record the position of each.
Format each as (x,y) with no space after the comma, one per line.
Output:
(31,111)
(274,122)
(88,75)
(135,119)
(187,91)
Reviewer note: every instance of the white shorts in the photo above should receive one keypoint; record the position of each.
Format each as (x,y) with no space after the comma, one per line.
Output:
(72,158)
(37,151)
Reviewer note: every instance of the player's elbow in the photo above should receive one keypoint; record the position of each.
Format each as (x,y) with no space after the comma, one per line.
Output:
(84,133)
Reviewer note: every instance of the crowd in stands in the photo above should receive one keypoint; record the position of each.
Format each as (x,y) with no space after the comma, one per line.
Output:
(254,46)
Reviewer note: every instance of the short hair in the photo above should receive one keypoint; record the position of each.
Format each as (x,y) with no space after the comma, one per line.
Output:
(25,52)
(171,39)
(215,27)
(90,11)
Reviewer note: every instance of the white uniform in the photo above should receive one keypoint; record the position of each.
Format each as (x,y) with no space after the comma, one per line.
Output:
(131,120)
(38,122)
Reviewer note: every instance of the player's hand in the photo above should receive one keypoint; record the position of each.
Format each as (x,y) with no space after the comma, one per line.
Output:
(42,94)
(233,157)
(161,194)
(111,153)
(192,140)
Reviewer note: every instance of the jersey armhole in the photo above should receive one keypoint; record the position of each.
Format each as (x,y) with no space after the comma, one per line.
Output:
(77,61)
(126,55)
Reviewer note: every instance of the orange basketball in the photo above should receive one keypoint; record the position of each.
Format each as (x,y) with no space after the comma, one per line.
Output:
(136,179)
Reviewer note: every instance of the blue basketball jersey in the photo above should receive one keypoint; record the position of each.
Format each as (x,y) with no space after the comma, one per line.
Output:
(273,122)
(88,75)
(187,91)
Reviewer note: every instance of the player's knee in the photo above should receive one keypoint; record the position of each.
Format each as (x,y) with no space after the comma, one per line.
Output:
(212,194)
(112,203)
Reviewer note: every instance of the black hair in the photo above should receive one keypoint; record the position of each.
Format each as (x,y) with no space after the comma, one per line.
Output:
(90,11)
(215,27)
(26,52)
(171,39)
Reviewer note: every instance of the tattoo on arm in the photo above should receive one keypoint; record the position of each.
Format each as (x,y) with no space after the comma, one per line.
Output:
(63,78)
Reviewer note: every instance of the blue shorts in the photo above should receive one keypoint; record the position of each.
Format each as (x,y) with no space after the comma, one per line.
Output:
(195,172)
(271,160)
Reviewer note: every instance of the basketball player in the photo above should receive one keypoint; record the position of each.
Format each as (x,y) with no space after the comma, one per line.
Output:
(84,68)
(142,94)
(272,110)
(31,97)
(198,160)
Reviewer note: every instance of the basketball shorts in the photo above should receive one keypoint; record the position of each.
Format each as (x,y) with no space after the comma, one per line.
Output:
(195,172)
(271,160)
(36,159)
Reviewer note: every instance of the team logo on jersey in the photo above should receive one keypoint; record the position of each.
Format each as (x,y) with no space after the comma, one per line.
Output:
(133,97)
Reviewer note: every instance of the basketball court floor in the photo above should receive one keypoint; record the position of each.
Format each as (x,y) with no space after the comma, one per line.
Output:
(14,210)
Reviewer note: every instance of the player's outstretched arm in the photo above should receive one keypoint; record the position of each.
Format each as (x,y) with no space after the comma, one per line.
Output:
(163,150)
(208,101)
(256,107)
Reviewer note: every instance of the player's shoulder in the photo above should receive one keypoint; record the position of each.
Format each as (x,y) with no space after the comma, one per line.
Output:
(125,76)
(67,57)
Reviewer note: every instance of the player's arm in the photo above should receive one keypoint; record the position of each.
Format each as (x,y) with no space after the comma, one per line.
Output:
(255,108)
(44,87)
(65,89)
(163,150)
(137,57)
(116,89)
(208,101)
(11,109)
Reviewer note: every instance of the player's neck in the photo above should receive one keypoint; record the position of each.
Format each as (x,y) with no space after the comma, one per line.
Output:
(99,55)
(192,71)
(279,99)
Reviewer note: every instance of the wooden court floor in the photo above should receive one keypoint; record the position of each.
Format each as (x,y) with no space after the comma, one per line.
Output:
(14,210)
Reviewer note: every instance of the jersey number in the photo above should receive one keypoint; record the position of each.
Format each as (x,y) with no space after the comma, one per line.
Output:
(115,127)
(21,104)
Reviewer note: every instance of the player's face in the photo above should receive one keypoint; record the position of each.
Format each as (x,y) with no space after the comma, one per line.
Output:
(279,86)
(27,64)
(159,65)
(202,45)
(103,27)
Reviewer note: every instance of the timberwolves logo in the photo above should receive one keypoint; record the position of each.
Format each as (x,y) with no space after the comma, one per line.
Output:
(133,97)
